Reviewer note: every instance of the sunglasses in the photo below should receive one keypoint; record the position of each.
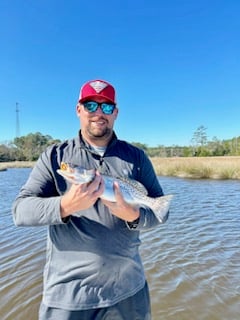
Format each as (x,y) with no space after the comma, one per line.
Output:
(91,106)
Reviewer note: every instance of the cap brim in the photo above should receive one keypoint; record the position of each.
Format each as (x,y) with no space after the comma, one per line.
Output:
(95,96)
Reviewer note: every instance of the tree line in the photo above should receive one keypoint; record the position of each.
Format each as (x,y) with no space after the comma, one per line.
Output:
(26,148)
(200,146)
(29,147)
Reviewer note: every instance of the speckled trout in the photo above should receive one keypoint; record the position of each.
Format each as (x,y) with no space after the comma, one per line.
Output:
(132,191)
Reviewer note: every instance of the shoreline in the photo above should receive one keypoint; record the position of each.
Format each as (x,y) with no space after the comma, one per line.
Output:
(224,168)
(16,164)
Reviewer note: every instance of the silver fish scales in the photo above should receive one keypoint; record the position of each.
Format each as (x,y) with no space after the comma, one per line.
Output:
(133,191)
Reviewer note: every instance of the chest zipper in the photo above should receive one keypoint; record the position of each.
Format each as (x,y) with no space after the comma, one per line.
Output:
(100,168)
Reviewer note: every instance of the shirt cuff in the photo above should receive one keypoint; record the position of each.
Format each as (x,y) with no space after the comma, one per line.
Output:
(133,224)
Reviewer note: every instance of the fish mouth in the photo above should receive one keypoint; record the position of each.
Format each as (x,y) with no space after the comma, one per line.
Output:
(76,174)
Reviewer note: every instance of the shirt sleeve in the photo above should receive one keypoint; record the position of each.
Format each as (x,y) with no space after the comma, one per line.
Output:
(146,220)
(38,202)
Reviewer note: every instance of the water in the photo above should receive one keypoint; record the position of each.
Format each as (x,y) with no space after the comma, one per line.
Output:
(192,262)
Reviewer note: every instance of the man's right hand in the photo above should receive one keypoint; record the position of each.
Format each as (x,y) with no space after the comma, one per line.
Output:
(81,196)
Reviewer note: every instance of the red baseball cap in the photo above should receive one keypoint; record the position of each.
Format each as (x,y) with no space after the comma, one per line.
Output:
(97,89)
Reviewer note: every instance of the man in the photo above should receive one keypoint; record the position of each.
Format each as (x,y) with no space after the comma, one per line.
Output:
(93,268)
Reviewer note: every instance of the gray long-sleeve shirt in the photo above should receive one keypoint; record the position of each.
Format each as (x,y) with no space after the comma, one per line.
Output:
(93,258)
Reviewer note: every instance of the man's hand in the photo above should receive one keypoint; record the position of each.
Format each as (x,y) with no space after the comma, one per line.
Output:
(121,208)
(81,196)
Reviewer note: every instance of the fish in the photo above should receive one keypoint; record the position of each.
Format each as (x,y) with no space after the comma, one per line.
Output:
(132,190)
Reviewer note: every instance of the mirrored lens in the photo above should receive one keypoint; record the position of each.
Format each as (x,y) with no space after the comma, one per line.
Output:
(91,106)
(107,108)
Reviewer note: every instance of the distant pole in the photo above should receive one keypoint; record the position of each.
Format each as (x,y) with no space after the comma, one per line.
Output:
(17,121)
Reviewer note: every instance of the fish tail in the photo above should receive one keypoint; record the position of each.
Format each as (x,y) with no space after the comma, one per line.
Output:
(160,207)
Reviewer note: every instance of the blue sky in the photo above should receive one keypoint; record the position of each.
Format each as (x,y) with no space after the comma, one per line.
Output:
(175,65)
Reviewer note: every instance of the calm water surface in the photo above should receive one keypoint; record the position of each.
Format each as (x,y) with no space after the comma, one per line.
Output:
(192,262)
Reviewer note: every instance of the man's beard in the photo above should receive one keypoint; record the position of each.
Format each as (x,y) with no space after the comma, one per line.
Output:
(99,135)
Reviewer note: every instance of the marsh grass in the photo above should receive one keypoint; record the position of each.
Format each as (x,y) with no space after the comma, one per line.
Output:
(16,164)
(199,167)
(194,168)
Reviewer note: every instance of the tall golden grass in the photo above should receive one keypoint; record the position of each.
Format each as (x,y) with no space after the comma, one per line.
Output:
(198,167)
(195,167)
(16,164)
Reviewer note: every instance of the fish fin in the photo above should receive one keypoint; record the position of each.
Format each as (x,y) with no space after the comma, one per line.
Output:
(160,207)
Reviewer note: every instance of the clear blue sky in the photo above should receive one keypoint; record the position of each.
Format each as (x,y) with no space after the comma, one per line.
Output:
(175,65)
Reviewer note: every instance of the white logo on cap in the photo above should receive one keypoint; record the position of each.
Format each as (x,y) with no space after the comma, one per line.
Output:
(98,86)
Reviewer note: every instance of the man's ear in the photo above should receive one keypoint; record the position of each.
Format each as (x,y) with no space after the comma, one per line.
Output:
(116,113)
(78,109)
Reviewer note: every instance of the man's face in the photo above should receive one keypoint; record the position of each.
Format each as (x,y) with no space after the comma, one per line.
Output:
(96,126)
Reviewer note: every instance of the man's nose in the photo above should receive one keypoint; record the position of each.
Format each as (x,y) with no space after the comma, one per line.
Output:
(99,110)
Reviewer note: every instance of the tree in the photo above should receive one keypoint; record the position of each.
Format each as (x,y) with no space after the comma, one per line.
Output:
(200,136)
(216,147)
(32,145)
